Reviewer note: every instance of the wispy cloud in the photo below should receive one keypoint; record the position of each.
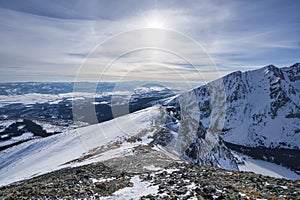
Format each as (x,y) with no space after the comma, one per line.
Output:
(49,40)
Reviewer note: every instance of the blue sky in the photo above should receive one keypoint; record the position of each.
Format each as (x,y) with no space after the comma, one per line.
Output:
(49,40)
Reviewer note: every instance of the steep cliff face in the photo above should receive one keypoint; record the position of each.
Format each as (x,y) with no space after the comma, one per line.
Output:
(262,108)
(256,109)
(199,145)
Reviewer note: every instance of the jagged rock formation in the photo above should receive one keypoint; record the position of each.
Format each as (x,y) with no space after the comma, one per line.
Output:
(259,105)
(256,109)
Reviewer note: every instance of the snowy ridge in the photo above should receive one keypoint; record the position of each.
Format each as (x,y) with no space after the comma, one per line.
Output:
(262,107)
(256,109)
(52,153)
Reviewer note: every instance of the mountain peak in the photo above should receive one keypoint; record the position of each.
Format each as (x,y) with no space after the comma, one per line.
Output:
(261,112)
(296,65)
(293,72)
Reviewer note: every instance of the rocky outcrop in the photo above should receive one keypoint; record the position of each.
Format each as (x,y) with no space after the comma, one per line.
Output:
(175,181)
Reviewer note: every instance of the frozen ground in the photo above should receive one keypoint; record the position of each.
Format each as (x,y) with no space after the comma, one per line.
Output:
(140,188)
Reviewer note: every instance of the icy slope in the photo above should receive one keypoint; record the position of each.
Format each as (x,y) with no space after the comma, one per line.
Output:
(48,154)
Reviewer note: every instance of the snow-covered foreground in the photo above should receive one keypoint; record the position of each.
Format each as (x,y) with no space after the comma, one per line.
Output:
(265,168)
(48,154)
(140,188)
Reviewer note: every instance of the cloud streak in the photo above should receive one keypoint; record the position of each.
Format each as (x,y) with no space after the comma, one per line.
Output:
(49,40)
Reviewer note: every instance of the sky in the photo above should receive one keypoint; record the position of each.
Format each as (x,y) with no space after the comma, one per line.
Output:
(96,40)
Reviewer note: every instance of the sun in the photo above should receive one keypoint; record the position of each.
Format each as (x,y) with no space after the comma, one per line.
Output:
(155,23)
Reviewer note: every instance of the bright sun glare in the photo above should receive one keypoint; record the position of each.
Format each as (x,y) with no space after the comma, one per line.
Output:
(155,22)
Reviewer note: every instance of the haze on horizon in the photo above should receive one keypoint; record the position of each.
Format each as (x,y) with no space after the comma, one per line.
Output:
(49,40)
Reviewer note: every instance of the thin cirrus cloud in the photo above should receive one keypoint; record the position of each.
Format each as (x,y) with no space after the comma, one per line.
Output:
(50,40)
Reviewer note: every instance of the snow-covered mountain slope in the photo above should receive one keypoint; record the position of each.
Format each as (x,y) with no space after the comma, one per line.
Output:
(58,151)
(247,163)
(257,109)
(263,107)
